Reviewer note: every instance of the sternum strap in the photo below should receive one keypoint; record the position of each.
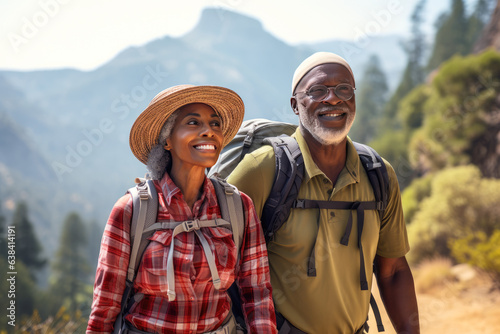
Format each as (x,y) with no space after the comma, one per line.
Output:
(360,208)
(189,226)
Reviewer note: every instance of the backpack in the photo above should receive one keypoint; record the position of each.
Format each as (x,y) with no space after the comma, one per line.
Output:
(144,224)
(288,178)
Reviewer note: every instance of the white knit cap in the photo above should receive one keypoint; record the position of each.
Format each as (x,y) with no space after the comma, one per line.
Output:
(316,59)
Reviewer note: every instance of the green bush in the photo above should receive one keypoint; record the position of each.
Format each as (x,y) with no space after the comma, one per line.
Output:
(413,196)
(461,203)
(456,111)
(480,251)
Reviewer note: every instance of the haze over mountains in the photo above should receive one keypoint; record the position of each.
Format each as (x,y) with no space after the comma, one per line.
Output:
(64,133)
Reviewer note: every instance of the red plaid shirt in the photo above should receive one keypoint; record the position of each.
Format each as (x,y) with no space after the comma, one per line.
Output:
(198,306)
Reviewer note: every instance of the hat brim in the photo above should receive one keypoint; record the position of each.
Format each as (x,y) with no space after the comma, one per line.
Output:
(147,127)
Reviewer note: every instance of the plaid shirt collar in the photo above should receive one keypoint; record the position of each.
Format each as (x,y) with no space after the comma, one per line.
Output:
(171,191)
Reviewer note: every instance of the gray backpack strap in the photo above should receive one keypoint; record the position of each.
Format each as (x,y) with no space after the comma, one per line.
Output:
(188,226)
(231,208)
(145,209)
(144,212)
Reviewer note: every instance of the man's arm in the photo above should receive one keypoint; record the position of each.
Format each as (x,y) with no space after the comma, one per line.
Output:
(395,283)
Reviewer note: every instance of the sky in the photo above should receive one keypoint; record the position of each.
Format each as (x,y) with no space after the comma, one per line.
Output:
(85,34)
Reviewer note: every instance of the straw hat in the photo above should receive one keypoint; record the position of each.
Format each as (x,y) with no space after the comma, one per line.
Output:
(147,127)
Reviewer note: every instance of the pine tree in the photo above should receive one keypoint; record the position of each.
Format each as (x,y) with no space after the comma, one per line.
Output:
(71,268)
(370,101)
(413,75)
(3,234)
(451,36)
(476,21)
(28,248)
(95,235)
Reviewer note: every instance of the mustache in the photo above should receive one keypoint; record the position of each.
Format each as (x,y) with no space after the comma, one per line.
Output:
(332,109)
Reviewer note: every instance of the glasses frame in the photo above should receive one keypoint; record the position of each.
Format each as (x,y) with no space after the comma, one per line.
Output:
(328,90)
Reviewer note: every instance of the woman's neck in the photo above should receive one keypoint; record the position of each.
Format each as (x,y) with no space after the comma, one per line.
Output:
(189,181)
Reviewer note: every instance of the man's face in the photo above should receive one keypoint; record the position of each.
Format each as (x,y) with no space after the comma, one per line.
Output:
(328,121)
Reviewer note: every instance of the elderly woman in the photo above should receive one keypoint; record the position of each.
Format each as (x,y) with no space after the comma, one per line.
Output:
(178,136)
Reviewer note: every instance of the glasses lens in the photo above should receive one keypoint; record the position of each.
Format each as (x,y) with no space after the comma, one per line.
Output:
(344,91)
(318,92)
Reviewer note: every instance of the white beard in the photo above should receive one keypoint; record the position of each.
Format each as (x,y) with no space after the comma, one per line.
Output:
(326,136)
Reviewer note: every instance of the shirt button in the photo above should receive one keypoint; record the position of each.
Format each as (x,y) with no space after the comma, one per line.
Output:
(325,181)
(329,191)
(332,214)
(193,278)
(192,298)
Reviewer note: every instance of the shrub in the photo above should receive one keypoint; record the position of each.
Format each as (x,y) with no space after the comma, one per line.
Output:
(461,203)
(479,250)
(414,194)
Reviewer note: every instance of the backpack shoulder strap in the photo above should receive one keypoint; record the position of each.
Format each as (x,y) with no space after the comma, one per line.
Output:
(379,178)
(377,174)
(288,176)
(231,207)
(144,213)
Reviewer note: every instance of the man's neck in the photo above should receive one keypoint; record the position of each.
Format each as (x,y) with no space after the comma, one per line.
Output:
(330,159)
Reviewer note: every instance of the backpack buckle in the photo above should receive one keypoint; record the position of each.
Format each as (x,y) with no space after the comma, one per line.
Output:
(380,206)
(247,142)
(190,225)
(171,295)
(299,204)
(142,189)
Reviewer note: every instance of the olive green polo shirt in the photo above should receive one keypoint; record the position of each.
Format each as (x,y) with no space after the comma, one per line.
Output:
(331,302)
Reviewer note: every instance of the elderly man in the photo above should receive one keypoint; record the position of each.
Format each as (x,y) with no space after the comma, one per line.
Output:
(331,301)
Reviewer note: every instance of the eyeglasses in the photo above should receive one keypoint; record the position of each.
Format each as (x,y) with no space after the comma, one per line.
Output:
(318,93)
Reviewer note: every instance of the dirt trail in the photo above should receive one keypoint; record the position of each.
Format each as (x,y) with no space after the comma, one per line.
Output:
(456,307)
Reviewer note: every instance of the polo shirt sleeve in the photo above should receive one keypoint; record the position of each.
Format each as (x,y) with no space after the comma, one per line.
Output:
(254,176)
(393,238)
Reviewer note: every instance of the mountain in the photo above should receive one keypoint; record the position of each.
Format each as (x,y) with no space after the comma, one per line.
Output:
(75,124)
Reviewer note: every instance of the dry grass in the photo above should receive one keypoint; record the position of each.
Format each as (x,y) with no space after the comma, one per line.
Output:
(433,274)
(451,299)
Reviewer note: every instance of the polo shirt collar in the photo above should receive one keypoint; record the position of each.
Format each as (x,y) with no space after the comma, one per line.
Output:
(311,169)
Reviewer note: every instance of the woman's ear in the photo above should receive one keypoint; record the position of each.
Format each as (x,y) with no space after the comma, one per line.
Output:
(167,146)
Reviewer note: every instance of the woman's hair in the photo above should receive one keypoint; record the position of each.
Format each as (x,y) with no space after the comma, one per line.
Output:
(159,159)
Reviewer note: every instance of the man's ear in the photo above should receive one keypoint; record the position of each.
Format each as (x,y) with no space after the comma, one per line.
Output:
(293,103)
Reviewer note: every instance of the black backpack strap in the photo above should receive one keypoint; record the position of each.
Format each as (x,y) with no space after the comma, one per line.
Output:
(376,313)
(360,208)
(288,177)
(379,178)
(377,174)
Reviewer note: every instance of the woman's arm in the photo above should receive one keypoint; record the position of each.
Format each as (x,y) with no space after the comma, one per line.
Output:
(254,279)
(111,268)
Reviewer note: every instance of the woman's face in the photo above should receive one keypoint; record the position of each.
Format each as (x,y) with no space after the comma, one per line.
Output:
(196,138)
